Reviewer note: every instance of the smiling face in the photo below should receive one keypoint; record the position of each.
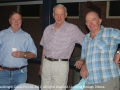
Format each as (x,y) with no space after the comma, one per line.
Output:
(93,22)
(59,15)
(15,21)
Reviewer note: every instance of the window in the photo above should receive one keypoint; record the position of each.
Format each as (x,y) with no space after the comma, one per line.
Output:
(113,9)
(72,9)
(29,11)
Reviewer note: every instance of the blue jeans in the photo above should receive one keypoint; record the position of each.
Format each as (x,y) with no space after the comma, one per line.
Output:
(10,79)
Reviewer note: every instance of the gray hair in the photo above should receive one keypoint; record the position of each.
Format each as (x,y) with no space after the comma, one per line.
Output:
(60,5)
(16,13)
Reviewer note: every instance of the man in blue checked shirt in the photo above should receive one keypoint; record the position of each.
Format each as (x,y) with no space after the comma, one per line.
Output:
(99,61)
(16,47)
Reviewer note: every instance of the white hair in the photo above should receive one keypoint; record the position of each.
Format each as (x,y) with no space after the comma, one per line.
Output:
(60,5)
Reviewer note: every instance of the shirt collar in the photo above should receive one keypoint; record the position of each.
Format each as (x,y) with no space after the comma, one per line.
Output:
(64,25)
(98,35)
(19,31)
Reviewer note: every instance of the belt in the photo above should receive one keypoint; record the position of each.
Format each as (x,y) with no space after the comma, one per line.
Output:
(52,59)
(12,69)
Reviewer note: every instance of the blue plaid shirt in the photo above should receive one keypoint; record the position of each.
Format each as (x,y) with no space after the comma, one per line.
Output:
(99,53)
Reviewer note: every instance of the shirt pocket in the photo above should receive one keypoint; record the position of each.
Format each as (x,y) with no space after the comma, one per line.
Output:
(102,43)
(5,40)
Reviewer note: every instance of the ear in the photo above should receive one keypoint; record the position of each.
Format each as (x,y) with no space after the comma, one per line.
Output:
(9,20)
(53,14)
(100,21)
(65,15)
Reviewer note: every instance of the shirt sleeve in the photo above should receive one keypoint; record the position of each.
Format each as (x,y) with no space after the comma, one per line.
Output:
(41,42)
(1,36)
(42,39)
(31,46)
(83,50)
(116,36)
(78,35)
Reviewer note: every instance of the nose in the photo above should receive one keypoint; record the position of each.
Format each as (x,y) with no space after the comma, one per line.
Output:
(59,17)
(90,23)
(16,21)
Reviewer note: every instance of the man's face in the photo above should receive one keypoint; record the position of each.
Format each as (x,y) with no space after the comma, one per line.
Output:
(93,22)
(59,15)
(15,22)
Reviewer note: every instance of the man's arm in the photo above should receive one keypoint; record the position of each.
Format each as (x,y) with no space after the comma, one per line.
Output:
(84,71)
(43,56)
(117,58)
(27,55)
(79,63)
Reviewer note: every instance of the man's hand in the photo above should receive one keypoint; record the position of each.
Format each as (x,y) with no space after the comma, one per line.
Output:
(1,69)
(79,63)
(17,54)
(117,59)
(83,71)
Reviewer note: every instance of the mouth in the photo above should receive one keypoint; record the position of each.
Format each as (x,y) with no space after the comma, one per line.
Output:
(91,26)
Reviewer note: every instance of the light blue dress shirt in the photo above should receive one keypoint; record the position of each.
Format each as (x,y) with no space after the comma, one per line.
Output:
(20,40)
(99,53)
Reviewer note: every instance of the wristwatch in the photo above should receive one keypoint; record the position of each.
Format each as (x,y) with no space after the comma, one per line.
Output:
(118,52)
(25,55)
